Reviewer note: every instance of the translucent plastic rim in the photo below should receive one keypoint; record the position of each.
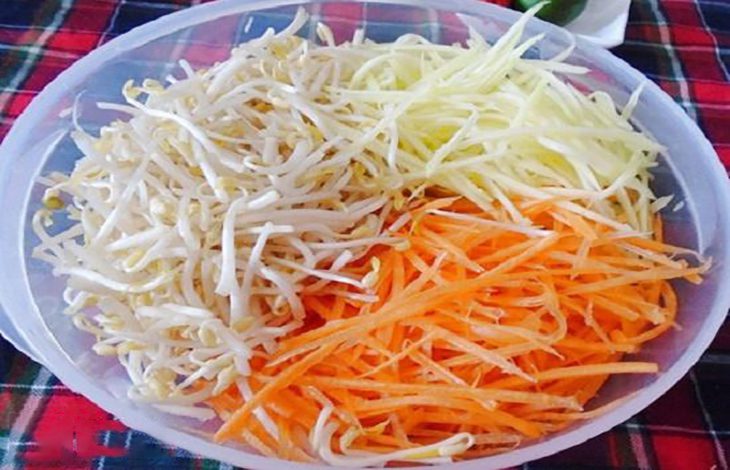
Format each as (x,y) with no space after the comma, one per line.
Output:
(11,335)
(18,300)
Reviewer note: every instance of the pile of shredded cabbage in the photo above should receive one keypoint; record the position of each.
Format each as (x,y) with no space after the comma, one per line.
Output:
(200,219)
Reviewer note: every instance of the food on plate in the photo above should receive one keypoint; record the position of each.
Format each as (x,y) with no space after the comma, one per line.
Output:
(363,253)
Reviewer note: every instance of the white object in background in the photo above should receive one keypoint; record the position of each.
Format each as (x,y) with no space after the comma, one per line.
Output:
(603,22)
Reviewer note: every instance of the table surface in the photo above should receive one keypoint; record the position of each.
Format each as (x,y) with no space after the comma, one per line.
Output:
(683,45)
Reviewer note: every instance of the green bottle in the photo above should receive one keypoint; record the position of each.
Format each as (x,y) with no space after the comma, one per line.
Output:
(555,11)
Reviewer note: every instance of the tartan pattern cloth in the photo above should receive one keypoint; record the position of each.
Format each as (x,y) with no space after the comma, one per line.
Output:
(683,45)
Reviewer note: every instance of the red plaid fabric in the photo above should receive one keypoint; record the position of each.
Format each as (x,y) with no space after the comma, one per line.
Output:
(683,45)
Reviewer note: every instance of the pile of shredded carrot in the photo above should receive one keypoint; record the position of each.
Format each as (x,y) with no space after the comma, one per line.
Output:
(482,337)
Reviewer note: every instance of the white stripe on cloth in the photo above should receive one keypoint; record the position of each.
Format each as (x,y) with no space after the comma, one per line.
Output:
(6,386)
(664,35)
(708,422)
(31,407)
(638,446)
(112,21)
(102,460)
(721,63)
(35,51)
(655,428)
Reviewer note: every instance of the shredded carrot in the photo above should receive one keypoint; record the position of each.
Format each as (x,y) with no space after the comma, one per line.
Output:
(477,329)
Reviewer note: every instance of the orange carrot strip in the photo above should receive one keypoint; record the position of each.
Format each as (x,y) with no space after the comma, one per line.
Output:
(282,380)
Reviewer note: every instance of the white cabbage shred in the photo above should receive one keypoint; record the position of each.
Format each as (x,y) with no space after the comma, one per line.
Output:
(199,220)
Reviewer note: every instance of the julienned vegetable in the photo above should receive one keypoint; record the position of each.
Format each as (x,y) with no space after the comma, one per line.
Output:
(414,251)
(480,339)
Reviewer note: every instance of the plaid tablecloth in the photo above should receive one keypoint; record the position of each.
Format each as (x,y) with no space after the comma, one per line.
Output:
(684,45)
